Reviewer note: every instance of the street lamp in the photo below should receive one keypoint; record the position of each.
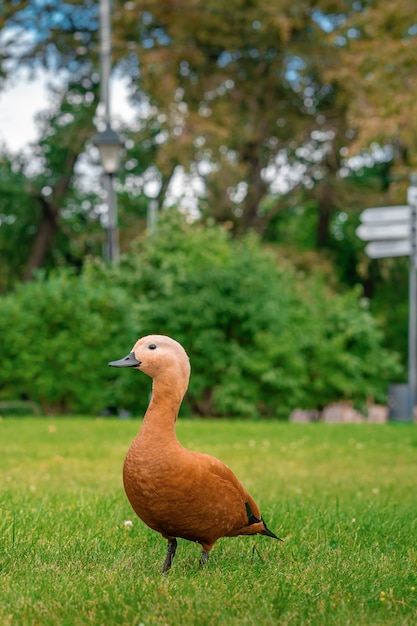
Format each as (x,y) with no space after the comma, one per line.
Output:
(109,144)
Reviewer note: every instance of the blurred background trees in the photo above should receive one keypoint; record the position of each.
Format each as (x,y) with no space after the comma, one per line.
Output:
(283,119)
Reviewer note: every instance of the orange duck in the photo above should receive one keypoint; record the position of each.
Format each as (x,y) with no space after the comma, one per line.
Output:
(175,491)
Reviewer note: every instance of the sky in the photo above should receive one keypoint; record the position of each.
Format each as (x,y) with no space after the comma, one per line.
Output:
(18,106)
(20,102)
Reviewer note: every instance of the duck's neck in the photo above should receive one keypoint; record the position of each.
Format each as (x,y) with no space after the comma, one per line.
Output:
(162,412)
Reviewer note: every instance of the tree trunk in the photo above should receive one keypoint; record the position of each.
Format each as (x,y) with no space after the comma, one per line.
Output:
(325,211)
(257,188)
(44,237)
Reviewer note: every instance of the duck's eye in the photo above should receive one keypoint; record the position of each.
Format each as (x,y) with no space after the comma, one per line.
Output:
(152,346)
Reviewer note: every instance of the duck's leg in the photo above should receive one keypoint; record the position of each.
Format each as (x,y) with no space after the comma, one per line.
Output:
(172,546)
(204,557)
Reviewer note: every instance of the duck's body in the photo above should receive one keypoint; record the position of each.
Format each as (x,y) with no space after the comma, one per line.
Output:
(175,491)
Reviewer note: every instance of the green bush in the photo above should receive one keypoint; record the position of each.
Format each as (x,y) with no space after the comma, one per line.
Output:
(262,340)
(58,335)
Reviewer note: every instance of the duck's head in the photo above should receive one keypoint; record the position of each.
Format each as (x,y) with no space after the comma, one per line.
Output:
(158,356)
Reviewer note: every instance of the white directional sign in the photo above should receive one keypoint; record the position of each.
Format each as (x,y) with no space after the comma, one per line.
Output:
(385,249)
(384,214)
(385,230)
(388,228)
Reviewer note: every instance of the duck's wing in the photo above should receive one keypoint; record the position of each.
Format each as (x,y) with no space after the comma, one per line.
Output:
(252,520)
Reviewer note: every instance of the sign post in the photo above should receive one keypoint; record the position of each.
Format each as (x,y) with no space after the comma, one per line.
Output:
(412,316)
(392,232)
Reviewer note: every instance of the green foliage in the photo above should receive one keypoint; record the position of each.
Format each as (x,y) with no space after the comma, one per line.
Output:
(57,337)
(19,211)
(342,347)
(262,340)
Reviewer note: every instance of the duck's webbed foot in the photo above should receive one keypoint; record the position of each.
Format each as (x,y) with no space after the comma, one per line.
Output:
(172,546)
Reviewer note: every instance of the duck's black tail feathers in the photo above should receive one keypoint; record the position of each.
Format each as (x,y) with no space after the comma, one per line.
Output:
(252,519)
(269,533)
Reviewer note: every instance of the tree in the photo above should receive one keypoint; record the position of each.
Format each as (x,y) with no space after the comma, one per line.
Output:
(377,44)
(54,34)
(66,130)
(58,214)
(233,89)
(239,87)
(41,198)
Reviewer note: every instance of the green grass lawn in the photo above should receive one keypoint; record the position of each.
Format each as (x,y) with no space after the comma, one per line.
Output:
(344,498)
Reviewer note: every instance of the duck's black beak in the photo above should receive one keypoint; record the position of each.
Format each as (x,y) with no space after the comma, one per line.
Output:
(127,361)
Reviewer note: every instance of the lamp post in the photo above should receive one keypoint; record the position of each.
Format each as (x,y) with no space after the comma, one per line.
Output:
(109,144)
(108,141)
